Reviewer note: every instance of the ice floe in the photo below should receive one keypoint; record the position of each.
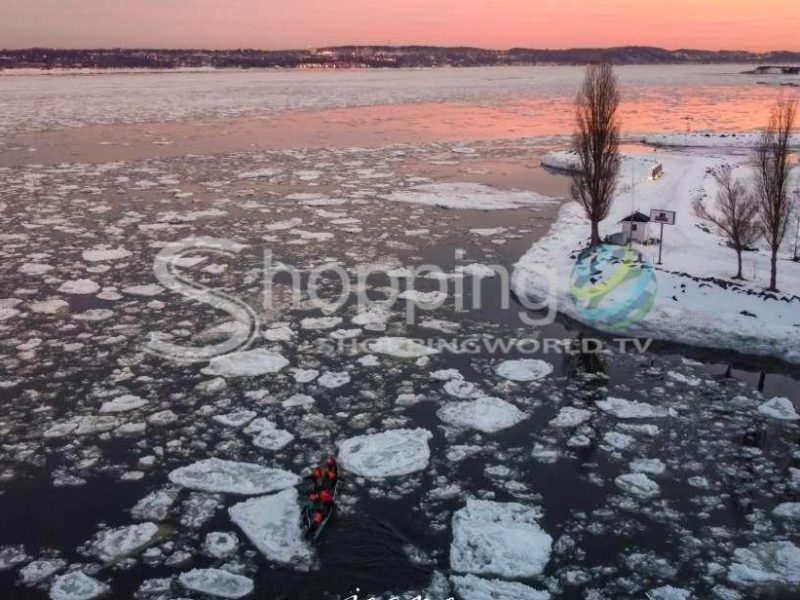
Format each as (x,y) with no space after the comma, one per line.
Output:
(486,414)
(496,538)
(217,583)
(523,370)
(388,454)
(112,545)
(779,408)
(631,409)
(272,524)
(249,363)
(470,587)
(472,196)
(766,564)
(76,585)
(217,475)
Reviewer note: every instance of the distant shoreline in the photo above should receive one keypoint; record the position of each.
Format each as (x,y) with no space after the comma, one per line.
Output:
(370,57)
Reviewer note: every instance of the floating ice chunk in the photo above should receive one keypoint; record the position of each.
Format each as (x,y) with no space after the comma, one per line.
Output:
(570,416)
(788,510)
(124,403)
(7,313)
(249,363)
(111,545)
(91,424)
(79,287)
(41,570)
(258,173)
(77,586)
(11,556)
(629,409)
(163,417)
(272,524)
(217,475)
(470,587)
(779,408)
(304,375)
(653,466)
(496,538)
(526,369)
(387,454)
(303,400)
(238,418)
(617,440)
(668,592)
(459,388)
(94,315)
(102,254)
(433,299)
(470,196)
(562,160)
(486,414)
(476,270)
(446,374)
(53,306)
(766,563)
(217,583)
(147,290)
(156,505)
(333,379)
(400,347)
(272,438)
(220,544)
(638,484)
(319,323)
(282,333)
(35,269)
(372,318)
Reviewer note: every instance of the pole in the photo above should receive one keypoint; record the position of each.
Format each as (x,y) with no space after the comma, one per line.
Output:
(660,243)
(796,235)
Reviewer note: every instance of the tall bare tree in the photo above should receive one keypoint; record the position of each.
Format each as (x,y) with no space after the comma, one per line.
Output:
(772,180)
(735,214)
(596,142)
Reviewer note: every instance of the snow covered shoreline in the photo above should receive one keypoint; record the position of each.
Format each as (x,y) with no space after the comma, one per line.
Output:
(695,303)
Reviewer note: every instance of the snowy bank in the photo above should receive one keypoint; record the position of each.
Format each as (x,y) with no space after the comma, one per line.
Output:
(693,299)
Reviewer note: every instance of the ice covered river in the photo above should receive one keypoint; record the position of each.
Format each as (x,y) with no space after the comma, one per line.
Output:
(672,473)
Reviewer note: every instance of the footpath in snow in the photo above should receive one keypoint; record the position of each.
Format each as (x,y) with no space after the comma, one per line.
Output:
(696,301)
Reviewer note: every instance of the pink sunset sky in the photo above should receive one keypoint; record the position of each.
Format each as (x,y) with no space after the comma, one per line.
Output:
(270,24)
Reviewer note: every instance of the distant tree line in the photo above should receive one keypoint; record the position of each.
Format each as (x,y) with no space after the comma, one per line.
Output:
(368,56)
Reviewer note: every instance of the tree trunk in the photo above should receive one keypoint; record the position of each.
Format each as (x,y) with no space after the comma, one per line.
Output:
(739,260)
(595,234)
(773,271)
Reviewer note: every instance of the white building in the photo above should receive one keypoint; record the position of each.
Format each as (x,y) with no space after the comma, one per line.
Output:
(636,227)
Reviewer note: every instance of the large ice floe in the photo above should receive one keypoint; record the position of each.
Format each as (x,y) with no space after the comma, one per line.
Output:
(497,538)
(766,564)
(779,408)
(525,369)
(272,524)
(76,585)
(470,587)
(217,475)
(486,414)
(474,196)
(217,583)
(388,454)
(250,363)
(400,347)
(112,545)
(631,409)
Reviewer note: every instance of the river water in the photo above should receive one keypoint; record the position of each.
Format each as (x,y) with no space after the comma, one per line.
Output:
(138,160)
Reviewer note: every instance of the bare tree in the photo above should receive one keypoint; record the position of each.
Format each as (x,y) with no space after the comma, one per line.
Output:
(596,142)
(772,180)
(736,213)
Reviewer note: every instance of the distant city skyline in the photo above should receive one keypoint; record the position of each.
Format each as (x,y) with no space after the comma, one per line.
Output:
(501,24)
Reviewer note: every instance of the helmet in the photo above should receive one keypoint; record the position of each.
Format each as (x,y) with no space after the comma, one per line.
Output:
(313,496)
(325,496)
(316,472)
(331,461)
(317,517)
(331,474)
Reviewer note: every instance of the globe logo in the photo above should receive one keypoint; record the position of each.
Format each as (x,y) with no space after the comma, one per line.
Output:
(612,287)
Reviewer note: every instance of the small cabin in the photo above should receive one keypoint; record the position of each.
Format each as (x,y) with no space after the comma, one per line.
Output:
(636,227)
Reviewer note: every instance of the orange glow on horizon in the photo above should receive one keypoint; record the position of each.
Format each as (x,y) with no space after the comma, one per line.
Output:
(706,24)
